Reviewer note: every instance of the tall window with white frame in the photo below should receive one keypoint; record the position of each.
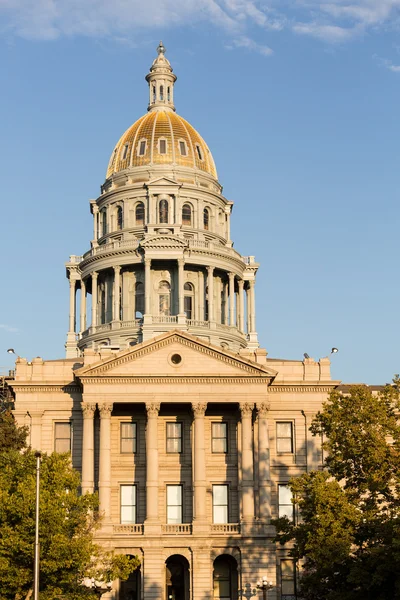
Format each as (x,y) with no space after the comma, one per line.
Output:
(62,437)
(174,504)
(128,438)
(128,504)
(219,438)
(286,507)
(139,300)
(187,215)
(220,504)
(288,579)
(139,213)
(174,438)
(284,437)
(188,298)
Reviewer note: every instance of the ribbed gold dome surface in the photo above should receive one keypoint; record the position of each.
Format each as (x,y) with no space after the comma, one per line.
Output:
(169,140)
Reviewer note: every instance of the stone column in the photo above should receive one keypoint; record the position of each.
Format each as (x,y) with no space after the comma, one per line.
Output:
(248,309)
(199,466)
(72,290)
(181,294)
(95,221)
(105,459)
(210,284)
(200,312)
(117,283)
(232,299)
(94,298)
(152,466)
(241,305)
(88,410)
(246,410)
(83,306)
(252,310)
(264,475)
(147,285)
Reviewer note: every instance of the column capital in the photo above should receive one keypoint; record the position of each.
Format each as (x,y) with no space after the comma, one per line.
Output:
(88,409)
(252,283)
(246,409)
(240,284)
(95,208)
(95,275)
(181,262)
(72,283)
(147,261)
(105,410)
(153,408)
(231,275)
(263,408)
(117,269)
(210,269)
(199,409)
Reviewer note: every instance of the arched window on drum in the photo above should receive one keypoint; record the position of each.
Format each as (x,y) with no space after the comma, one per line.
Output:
(139,213)
(187,215)
(163,211)
(120,218)
(188,290)
(206,219)
(139,300)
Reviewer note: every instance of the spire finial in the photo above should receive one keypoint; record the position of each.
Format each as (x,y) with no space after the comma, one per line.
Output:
(161,81)
(161,48)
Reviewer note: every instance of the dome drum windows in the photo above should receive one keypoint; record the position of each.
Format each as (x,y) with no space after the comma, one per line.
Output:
(183,148)
(187,215)
(163,211)
(162,146)
(206,219)
(119,218)
(142,146)
(125,152)
(199,152)
(139,213)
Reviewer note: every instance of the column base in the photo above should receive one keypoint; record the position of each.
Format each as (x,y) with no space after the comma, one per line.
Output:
(71,347)
(182,319)
(200,528)
(252,343)
(147,319)
(152,528)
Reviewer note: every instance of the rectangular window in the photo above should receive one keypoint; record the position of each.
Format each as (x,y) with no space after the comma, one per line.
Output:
(163,146)
(142,148)
(188,306)
(284,437)
(288,580)
(62,437)
(285,505)
(174,504)
(128,503)
(125,152)
(220,504)
(174,437)
(219,437)
(128,438)
(182,148)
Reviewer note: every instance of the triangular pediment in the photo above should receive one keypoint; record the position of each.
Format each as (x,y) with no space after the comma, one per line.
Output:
(156,358)
(162,181)
(164,241)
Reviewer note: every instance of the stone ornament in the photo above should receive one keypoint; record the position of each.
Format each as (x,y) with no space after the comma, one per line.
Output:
(153,408)
(199,409)
(105,409)
(246,409)
(88,410)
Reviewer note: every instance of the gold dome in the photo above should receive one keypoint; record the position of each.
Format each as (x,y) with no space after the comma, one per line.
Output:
(161,137)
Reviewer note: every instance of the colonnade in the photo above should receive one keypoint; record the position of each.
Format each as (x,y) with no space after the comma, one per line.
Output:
(235,289)
(247,473)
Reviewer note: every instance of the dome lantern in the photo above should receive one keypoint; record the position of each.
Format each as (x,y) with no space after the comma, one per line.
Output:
(161,81)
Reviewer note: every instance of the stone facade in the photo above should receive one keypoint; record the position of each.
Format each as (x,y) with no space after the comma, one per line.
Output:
(170,409)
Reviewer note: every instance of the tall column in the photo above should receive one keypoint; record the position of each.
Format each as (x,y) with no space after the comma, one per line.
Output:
(94,298)
(72,290)
(105,459)
(246,410)
(252,306)
(264,474)
(88,410)
(199,465)
(210,284)
(181,305)
(152,464)
(241,305)
(83,306)
(248,308)
(95,210)
(232,299)
(147,284)
(200,312)
(117,284)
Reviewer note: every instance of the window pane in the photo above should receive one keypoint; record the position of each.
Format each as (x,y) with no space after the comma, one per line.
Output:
(219,430)
(63,445)
(284,430)
(63,430)
(163,147)
(174,430)
(219,445)
(285,494)
(284,445)
(174,495)
(127,446)
(174,445)
(287,568)
(128,514)
(182,148)
(174,515)
(220,514)
(286,511)
(128,494)
(220,494)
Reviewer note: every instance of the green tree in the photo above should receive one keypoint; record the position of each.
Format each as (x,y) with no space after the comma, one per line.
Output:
(68,522)
(348,537)
(12,437)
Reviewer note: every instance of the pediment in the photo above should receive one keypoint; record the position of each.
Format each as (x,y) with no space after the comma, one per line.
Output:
(162,181)
(198,359)
(164,241)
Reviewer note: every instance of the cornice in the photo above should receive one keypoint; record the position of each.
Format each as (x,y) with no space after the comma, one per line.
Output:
(174,380)
(296,387)
(46,388)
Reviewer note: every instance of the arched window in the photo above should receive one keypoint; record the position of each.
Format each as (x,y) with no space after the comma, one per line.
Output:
(225,578)
(130,588)
(164,298)
(188,300)
(161,93)
(139,213)
(139,300)
(103,222)
(206,218)
(120,217)
(168,93)
(163,211)
(102,300)
(187,215)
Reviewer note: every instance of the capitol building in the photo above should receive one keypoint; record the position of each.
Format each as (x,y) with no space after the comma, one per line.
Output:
(171,410)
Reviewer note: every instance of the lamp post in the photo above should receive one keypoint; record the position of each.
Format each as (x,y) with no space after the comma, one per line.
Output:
(264,585)
(36,559)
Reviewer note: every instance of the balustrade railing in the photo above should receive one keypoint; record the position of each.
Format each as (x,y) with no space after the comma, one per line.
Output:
(183,528)
(165,319)
(225,528)
(129,529)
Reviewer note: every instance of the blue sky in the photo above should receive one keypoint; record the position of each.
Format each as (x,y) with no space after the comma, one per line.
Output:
(299,104)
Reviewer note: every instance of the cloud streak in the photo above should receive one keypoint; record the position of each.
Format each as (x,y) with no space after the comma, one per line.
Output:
(8,328)
(242,21)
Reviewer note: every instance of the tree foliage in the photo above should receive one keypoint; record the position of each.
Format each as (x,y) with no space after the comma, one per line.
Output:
(68,521)
(12,437)
(348,537)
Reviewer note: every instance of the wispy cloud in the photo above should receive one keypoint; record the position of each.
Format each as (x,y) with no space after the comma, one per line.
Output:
(387,64)
(243,21)
(9,328)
